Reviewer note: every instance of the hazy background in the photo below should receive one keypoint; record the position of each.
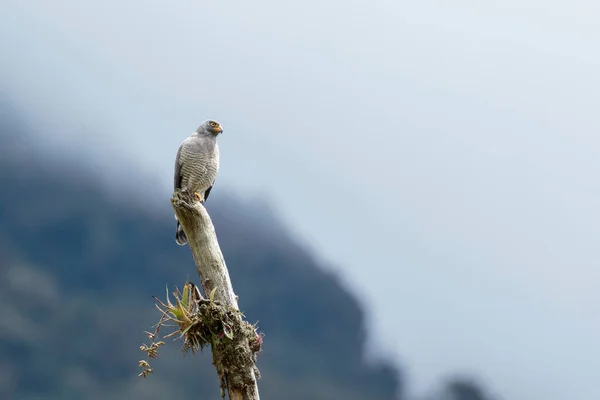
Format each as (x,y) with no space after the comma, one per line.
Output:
(441,157)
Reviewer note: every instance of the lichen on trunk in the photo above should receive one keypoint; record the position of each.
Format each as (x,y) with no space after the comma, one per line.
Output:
(214,321)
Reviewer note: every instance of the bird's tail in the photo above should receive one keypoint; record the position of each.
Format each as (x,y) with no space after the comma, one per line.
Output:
(180,237)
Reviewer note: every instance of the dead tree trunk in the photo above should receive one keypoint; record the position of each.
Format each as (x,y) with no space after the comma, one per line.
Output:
(234,352)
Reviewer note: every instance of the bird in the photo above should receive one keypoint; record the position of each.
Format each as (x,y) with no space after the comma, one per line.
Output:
(197,165)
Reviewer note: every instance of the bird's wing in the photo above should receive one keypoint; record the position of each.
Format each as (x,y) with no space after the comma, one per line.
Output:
(207,192)
(177,177)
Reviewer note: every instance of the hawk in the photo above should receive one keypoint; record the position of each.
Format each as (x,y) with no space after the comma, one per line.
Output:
(196,165)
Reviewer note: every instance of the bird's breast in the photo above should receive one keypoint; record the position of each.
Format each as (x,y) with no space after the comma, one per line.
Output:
(199,166)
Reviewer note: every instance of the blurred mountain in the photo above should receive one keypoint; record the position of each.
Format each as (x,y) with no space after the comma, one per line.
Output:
(78,268)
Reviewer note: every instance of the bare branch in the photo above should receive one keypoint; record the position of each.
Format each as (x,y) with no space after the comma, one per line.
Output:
(234,347)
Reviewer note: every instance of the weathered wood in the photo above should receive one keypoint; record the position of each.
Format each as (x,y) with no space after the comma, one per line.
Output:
(234,359)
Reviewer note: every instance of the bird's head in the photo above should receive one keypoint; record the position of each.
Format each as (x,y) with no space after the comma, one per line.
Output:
(210,127)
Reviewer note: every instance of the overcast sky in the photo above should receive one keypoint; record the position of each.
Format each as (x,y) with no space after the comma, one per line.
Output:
(442,156)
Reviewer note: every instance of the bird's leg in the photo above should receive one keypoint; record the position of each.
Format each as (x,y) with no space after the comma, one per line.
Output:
(199,196)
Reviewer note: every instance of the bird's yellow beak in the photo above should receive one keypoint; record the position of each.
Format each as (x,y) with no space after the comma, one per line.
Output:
(219,129)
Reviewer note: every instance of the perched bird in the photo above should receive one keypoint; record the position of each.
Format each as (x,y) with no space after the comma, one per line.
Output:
(196,165)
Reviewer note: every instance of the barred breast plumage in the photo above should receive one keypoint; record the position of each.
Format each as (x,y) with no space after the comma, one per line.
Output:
(199,158)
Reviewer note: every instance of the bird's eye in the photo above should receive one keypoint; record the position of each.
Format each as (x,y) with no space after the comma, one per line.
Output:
(213,124)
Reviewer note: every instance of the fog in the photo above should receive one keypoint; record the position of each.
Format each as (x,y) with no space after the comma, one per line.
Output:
(442,158)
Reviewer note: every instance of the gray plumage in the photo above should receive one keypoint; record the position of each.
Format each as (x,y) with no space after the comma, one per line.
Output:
(197,165)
